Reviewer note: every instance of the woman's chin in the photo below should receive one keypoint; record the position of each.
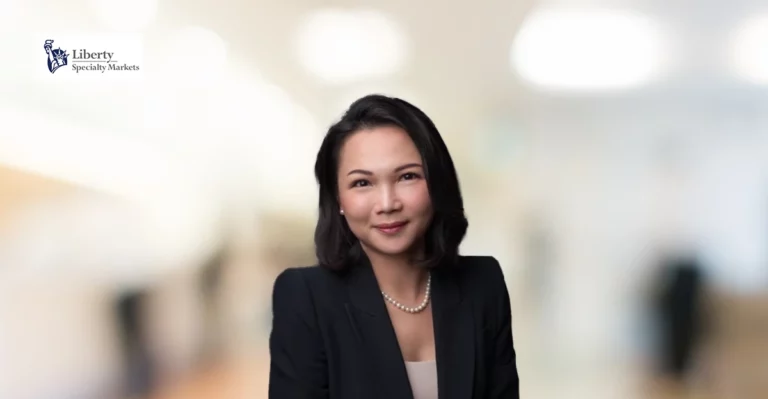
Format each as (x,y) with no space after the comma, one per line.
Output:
(392,248)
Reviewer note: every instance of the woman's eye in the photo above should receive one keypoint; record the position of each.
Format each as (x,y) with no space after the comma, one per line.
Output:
(360,183)
(409,176)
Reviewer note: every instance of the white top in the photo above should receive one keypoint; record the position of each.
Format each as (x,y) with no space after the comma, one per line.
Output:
(423,378)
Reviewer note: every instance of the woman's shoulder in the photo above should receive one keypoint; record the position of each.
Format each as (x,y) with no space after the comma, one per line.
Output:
(298,272)
(481,274)
(308,279)
(480,267)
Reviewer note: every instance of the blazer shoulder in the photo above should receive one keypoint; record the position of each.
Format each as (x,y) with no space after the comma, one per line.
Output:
(482,275)
(481,267)
(296,272)
(296,276)
(314,282)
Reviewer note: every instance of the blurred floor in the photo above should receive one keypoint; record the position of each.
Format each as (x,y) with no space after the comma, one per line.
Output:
(249,379)
(244,378)
(727,367)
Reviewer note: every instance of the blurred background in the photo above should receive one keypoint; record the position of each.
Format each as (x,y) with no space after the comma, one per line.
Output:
(613,156)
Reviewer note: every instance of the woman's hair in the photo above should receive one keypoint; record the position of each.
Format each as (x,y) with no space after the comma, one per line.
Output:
(336,246)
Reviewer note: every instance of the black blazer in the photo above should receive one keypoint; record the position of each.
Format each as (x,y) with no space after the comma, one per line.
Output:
(332,337)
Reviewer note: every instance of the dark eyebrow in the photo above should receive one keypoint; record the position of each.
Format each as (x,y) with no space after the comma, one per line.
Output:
(360,171)
(406,166)
(397,169)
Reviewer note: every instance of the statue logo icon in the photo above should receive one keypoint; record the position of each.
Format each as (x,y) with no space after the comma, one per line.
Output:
(57,58)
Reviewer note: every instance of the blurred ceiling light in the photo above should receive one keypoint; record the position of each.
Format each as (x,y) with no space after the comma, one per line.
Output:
(193,57)
(749,50)
(582,49)
(125,15)
(341,46)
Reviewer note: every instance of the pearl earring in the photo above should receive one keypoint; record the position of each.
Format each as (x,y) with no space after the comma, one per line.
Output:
(341,211)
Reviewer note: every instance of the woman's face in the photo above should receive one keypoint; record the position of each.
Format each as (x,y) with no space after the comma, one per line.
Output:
(383,191)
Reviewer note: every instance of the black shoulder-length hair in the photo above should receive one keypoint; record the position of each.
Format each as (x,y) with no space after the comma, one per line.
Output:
(336,246)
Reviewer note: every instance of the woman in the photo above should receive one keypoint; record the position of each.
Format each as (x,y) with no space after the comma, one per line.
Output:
(392,310)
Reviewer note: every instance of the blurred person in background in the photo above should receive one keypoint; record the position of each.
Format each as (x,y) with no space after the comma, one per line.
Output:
(681,317)
(210,286)
(392,310)
(139,370)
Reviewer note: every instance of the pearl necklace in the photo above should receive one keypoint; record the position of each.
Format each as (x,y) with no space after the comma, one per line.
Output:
(417,309)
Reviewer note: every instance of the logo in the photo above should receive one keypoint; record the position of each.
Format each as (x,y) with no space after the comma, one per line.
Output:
(96,57)
(57,58)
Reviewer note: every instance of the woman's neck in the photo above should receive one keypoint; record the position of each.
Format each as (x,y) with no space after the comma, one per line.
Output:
(399,277)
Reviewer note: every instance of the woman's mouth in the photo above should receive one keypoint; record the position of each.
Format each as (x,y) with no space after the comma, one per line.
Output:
(391,228)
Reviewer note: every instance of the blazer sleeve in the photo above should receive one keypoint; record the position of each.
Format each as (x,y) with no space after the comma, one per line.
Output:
(504,380)
(298,368)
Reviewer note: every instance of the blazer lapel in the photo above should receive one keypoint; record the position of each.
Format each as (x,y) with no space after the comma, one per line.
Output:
(454,337)
(371,323)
